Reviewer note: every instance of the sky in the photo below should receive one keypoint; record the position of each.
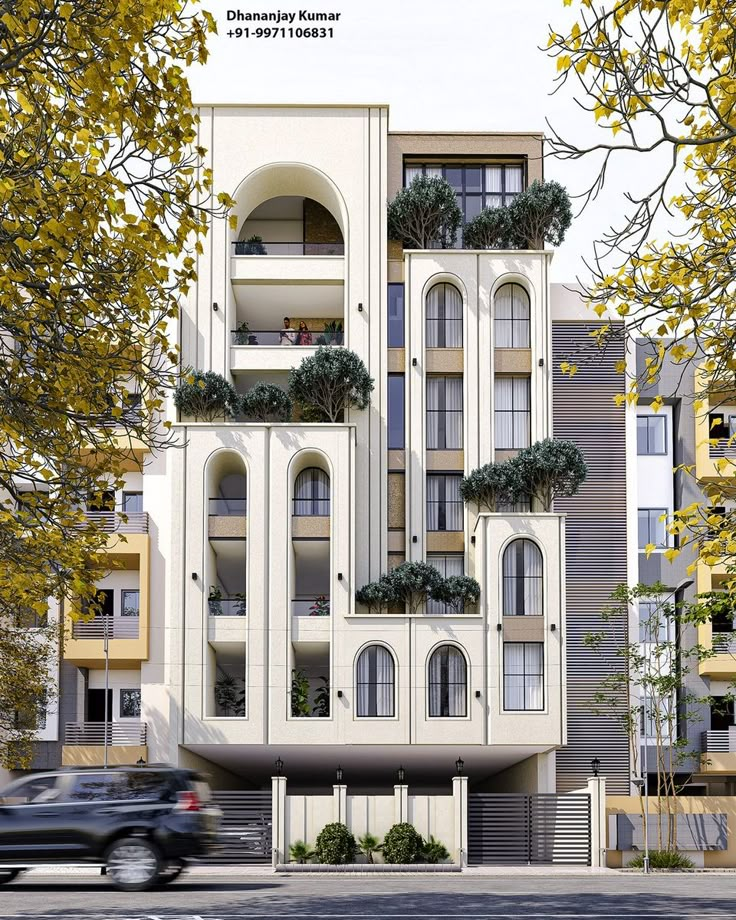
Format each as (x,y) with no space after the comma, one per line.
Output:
(440,65)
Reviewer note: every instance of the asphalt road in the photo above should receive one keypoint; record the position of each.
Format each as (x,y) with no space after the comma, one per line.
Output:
(610,897)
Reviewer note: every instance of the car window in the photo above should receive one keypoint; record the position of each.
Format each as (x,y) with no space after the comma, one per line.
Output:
(32,790)
(117,787)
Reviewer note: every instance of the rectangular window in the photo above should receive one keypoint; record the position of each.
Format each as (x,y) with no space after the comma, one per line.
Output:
(446,565)
(444,413)
(651,435)
(395,411)
(132,502)
(396,316)
(523,676)
(444,505)
(652,527)
(476,186)
(130,704)
(130,603)
(512,412)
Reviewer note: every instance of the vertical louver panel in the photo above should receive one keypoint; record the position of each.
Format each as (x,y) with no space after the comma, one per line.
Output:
(584,411)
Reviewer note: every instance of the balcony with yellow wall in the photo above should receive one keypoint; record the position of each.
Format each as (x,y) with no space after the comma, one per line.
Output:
(715,452)
(127,636)
(721,666)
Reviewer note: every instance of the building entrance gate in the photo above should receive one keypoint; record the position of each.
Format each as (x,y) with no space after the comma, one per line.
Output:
(246,829)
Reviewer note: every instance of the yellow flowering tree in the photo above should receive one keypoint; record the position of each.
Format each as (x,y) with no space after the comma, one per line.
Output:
(103,200)
(659,78)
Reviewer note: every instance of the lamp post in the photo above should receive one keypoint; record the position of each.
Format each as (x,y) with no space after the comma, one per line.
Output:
(401,775)
(338,775)
(595,765)
(106,647)
(279,766)
(459,766)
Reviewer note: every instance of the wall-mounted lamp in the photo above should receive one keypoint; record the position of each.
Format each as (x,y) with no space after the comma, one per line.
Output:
(499,627)
(459,766)
(194,576)
(339,694)
(401,775)
(140,762)
(541,362)
(339,576)
(360,308)
(415,539)
(553,627)
(413,362)
(595,765)
(477,694)
(279,766)
(215,307)
(339,774)
(472,539)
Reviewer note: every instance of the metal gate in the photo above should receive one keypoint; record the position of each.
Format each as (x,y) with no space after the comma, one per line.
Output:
(519,830)
(245,832)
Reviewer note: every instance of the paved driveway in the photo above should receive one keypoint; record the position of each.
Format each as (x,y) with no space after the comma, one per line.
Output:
(468,897)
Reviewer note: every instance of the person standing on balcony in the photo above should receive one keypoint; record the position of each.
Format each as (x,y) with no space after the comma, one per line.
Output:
(305,336)
(288,336)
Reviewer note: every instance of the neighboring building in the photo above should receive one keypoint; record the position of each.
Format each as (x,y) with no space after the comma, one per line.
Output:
(245,543)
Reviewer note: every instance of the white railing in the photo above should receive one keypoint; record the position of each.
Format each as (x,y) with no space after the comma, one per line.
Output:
(114,627)
(311,607)
(719,742)
(724,643)
(99,733)
(112,521)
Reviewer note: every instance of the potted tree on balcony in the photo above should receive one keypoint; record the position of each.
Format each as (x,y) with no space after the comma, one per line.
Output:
(320,607)
(241,335)
(214,601)
(254,246)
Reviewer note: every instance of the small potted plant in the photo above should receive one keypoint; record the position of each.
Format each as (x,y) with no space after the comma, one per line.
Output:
(241,335)
(214,601)
(254,246)
(320,607)
(240,606)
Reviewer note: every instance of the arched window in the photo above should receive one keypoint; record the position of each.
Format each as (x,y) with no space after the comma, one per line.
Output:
(448,683)
(375,682)
(512,317)
(312,493)
(522,579)
(444,317)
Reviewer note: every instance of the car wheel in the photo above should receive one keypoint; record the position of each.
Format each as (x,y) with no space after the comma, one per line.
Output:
(7,875)
(171,872)
(133,864)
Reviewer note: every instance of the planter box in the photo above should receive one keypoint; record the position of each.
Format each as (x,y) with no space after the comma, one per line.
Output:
(368,867)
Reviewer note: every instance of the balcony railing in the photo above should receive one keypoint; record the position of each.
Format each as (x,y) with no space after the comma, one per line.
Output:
(227,606)
(724,643)
(227,507)
(286,337)
(112,521)
(113,627)
(724,448)
(112,733)
(721,741)
(248,248)
(311,607)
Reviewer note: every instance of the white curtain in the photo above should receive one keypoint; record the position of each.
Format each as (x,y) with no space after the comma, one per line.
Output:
(446,566)
(512,317)
(434,491)
(435,388)
(534,665)
(512,412)
(444,413)
(522,579)
(514,180)
(364,683)
(444,505)
(513,675)
(453,503)
(312,493)
(444,314)
(494,186)
(375,679)
(384,682)
(447,683)
(410,173)
(457,683)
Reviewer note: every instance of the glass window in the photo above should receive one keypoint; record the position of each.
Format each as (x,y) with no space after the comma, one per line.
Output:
(652,527)
(653,621)
(30,791)
(375,682)
(651,435)
(444,505)
(444,317)
(130,704)
(522,505)
(444,413)
(523,675)
(395,411)
(396,316)
(133,502)
(448,683)
(512,323)
(446,565)
(312,493)
(512,412)
(522,579)
(114,787)
(130,602)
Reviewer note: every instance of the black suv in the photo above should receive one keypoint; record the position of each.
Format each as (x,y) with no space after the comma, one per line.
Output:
(142,824)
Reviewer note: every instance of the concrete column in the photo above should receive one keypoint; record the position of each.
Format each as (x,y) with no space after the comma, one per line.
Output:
(340,794)
(597,792)
(279,844)
(460,801)
(401,804)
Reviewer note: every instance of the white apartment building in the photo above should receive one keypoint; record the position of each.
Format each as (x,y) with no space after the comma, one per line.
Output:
(247,542)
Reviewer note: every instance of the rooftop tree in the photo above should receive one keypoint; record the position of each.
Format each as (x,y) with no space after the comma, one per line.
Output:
(540,214)
(206,395)
(491,229)
(330,381)
(377,596)
(457,591)
(266,402)
(489,485)
(425,214)
(547,470)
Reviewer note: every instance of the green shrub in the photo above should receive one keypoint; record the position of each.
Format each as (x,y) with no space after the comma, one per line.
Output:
(369,845)
(205,395)
(265,402)
(491,229)
(300,852)
(335,845)
(433,851)
(662,859)
(542,213)
(330,381)
(457,591)
(402,845)
(425,214)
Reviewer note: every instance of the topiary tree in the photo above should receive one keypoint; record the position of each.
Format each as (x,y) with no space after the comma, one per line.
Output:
(266,402)
(424,214)
(412,583)
(402,845)
(330,381)
(457,591)
(205,395)
(491,229)
(542,213)
(547,470)
(335,845)
(377,596)
(489,485)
